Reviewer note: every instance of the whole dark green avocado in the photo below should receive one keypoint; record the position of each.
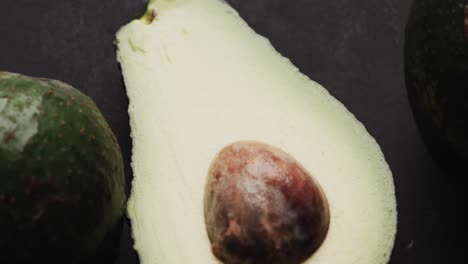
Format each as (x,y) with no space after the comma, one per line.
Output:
(62,187)
(436,69)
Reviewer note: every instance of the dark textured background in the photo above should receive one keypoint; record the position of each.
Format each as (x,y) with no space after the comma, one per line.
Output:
(353,48)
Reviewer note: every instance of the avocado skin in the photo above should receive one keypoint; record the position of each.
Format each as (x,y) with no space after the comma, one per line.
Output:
(436,69)
(63,192)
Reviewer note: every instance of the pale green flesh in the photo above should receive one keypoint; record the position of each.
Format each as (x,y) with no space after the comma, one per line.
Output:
(199,78)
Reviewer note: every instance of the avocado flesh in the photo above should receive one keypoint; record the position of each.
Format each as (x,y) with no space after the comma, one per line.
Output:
(198,78)
(62,188)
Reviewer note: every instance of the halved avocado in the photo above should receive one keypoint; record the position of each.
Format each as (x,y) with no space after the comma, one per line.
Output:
(200,81)
(62,188)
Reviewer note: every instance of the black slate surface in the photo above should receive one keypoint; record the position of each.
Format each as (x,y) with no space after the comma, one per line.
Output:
(353,48)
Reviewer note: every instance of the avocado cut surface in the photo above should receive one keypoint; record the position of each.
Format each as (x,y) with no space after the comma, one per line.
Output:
(198,79)
(62,188)
(436,66)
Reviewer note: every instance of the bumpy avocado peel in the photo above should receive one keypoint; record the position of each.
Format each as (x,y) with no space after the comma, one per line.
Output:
(436,69)
(62,186)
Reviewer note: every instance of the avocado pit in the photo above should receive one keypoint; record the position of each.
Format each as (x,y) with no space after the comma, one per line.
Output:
(262,206)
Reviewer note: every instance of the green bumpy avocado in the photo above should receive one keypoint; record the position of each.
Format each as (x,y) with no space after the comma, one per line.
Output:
(62,187)
(436,67)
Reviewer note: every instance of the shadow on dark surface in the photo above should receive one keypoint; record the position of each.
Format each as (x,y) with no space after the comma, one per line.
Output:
(109,250)
(106,253)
